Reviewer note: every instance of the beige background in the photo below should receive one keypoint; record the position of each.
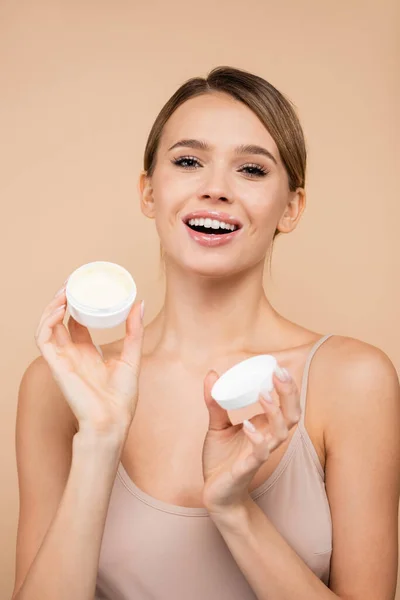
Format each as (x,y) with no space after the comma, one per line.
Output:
(81,83)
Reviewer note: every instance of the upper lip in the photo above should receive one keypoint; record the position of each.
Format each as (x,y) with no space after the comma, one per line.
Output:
(213,214)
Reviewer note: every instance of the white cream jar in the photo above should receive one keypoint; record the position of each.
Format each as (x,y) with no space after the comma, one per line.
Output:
(241,385)
(100,294)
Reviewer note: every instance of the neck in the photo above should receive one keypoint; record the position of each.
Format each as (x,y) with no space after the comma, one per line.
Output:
(203,317)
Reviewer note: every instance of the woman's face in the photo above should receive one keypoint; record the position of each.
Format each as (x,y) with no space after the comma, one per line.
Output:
(204,172)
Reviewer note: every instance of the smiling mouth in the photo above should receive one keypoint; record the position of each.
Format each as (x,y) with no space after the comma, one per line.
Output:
(211,226)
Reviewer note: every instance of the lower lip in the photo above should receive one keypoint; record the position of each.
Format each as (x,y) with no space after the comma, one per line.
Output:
(212,240)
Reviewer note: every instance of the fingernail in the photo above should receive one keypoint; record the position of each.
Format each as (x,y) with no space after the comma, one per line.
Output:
(249,426)
(60,291)
(265,390)
(142,310)
(267,396)
(282,374)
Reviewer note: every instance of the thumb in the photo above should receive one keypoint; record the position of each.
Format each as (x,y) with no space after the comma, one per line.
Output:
(219,418)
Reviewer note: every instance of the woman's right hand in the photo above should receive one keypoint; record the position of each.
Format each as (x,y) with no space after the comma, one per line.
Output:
(101,394)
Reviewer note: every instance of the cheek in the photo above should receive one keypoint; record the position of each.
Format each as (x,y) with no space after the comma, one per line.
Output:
(169,190)
(172,197)
(265,208)
(264,214)
(167,204)
(164,194)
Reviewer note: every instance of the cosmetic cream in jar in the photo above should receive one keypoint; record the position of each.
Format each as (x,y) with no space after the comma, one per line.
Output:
(100,294)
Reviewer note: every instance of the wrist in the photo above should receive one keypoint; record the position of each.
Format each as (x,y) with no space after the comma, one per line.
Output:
(106,424)
(234,517)
(89,436)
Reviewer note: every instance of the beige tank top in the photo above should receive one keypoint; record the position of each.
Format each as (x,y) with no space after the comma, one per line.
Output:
(152,550)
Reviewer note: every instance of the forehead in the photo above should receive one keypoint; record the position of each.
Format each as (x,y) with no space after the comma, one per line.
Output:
(218,119)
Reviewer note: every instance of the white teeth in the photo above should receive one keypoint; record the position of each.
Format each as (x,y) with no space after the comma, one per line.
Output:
(211,223)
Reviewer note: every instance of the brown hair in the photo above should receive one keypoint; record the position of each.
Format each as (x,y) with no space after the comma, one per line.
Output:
(272,108)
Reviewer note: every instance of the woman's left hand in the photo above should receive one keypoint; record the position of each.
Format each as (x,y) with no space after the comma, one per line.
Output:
(232,455)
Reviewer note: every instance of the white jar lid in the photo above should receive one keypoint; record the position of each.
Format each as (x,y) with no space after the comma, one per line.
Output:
(240,386)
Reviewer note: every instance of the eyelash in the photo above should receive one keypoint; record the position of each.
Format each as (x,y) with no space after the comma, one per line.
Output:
(260,171)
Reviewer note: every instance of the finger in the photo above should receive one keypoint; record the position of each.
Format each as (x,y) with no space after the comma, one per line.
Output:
(261,449)
(132,348)
(45,331)
(218,416)
(44,337)
(58,299)
(289,396)
(79,333)
(277,424)
(61,335)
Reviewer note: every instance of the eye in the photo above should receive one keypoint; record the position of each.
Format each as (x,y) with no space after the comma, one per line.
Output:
(255,170)
(180,162)
(190,162)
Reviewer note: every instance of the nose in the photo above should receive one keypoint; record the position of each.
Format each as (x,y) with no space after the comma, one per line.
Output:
(215,187)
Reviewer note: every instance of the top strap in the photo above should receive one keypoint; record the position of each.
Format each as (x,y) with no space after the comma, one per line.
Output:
(304,383)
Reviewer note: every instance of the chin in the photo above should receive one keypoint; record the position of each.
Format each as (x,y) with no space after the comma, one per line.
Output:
(213,262)
(213,265)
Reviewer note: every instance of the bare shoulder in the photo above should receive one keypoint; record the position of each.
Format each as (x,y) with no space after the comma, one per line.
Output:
(352,356)
(359,381)
(39,392)
(366,366)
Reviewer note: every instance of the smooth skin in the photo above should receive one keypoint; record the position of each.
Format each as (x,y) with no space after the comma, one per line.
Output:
(215,313)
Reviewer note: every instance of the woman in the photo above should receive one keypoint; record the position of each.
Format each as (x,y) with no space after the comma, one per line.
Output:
(141,486)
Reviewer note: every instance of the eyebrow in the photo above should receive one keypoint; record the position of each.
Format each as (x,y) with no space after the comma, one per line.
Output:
(239,150)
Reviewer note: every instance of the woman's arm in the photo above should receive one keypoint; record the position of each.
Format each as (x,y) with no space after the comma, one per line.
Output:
(63,499)
(272,568)
(363,487)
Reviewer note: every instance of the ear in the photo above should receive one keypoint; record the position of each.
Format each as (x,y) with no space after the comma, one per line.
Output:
(293,211)
(146,195)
